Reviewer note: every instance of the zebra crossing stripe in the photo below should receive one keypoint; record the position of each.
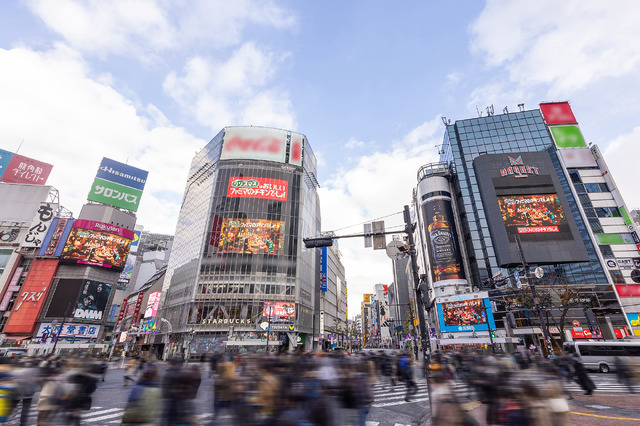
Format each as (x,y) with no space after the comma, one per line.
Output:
(108,416)
(389,404)
(97,413)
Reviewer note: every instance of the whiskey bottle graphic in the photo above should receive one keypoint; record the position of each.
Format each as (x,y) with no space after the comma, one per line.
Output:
(443,257)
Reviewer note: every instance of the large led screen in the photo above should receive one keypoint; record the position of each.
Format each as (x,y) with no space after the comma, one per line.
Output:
(92,300)
(254,187)
(251,236)
(465,315)
(97,243)
(527,209)
(526,214)
(279,311)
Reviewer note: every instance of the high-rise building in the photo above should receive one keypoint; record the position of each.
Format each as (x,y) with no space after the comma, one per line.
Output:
(238,264)
(519,192)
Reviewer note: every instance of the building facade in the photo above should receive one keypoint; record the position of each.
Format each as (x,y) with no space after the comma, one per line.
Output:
(238,264)
(519,192)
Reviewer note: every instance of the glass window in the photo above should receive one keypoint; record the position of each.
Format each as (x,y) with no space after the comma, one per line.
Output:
(617,277)
(606,251)
(580,188)
(595,226)
(584,200)
(590,212)
(575,176)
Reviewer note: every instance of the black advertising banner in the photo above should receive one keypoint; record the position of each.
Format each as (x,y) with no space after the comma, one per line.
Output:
(92,300)
(65,295)
(523,198)
(444,253)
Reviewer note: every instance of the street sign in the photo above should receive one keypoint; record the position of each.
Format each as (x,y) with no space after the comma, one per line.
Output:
(292,327)
(393,251)
(576,323)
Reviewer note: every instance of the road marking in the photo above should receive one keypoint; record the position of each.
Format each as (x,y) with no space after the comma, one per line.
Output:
(604,417)
(97,419)
(599,407)
(371,423)
(95,413)
(388,404)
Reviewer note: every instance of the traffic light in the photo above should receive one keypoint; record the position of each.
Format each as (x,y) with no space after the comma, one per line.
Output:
(318,242)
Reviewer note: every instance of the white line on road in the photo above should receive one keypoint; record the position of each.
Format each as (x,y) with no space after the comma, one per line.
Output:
(95,413)
(388,404)
(97,419)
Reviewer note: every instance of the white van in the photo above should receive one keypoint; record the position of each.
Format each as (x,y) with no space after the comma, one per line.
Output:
(12,351)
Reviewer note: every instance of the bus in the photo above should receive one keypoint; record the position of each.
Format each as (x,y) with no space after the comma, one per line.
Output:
(600,356)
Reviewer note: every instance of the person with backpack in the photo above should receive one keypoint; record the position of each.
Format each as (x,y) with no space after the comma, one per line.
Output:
(80,385)
(145,399)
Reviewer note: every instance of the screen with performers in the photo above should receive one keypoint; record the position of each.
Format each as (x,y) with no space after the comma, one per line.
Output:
(92,300)
(98,244)
(533,214)
(279,311)
(465,315)
(251,236)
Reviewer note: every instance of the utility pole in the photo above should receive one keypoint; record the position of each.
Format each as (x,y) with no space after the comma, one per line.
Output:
(416,280)
(536,299)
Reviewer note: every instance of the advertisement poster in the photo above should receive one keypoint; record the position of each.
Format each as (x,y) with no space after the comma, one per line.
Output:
(465,313)
(80,331)
(92,300)
(251,236)
(526,214)
(40,225)
(124,174)
(254,187)
(97,243)
(21,169)
(152,304)
(114,194)
(279,311)
(442,243)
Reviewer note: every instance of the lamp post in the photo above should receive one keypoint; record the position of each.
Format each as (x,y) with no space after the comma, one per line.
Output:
(269,324)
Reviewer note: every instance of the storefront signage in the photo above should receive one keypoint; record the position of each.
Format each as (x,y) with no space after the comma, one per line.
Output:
(518,169)
(81,331)
(226,321)
(38,229)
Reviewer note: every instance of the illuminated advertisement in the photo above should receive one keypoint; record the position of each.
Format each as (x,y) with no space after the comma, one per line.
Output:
(152,304)
(251,236)
(525,214)
(279,311)
(261,143)
(97,243)
(16,168)
(254,187)
(465,313)
(31,296)
(92,300)
(524,200)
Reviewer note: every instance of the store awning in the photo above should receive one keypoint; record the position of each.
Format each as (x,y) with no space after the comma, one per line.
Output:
(18,338)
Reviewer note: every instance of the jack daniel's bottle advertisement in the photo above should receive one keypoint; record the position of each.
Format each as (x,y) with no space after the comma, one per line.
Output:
(442,240)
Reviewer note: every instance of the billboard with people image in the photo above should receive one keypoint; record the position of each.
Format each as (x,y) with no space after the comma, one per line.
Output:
(525,214)
(251,236)
(97,243)
(465,313)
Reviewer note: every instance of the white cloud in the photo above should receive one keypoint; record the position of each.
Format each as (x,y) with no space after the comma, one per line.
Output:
(233,92)
(68,119)
(378,185)
(622,156)
(566,45)
(353,144)
(138,28)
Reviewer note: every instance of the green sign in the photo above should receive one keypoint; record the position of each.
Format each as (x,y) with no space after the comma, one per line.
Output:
(114,194)
(567,136)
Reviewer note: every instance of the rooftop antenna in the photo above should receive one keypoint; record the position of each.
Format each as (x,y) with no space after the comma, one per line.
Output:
(521,107)
(505,110)
(490,110)
(444,120)
(19,146)
(478,111)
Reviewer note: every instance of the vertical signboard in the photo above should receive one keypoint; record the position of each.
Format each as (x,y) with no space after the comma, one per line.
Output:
(152,304)
(123,309)
(323,275)
(295,150)
(41,223)
(136,312)
(13,287)
(32,296)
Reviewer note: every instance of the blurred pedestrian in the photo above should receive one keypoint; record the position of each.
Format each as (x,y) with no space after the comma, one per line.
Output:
(144,402)
(27,381)
(624,373)
(130,372)
(581,376)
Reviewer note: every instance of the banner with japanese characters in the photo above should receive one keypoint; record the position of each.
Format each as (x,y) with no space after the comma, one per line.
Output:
(79,331)
(16,168)
(40,225)
(114,194)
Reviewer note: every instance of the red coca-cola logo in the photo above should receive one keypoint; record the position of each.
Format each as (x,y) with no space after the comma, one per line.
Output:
(264,144)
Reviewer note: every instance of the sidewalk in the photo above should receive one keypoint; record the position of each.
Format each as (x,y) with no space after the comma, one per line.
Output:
(588,410)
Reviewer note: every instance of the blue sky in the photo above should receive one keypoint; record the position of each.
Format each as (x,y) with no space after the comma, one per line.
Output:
(150,82)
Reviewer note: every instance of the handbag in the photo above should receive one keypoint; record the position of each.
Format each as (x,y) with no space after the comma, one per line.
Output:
(558,405)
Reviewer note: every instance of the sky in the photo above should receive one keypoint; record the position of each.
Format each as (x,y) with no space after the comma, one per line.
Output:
(150,82)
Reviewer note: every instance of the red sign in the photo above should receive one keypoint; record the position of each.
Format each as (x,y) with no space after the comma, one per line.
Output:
(136,313)
(31,296)
(631,290)
(535,229)
(254,187)
(558,113)
(26,170)
(576,323)
(123,307)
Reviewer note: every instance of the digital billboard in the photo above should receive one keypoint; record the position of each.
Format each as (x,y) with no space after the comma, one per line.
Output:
(92,300)
(523,199)
(16,168)
(539,213)
(97,243)
(251,236)
(255,187)
(279,311)
(465,313)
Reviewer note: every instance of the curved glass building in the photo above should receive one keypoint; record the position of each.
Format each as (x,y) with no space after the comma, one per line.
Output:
(238,263)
